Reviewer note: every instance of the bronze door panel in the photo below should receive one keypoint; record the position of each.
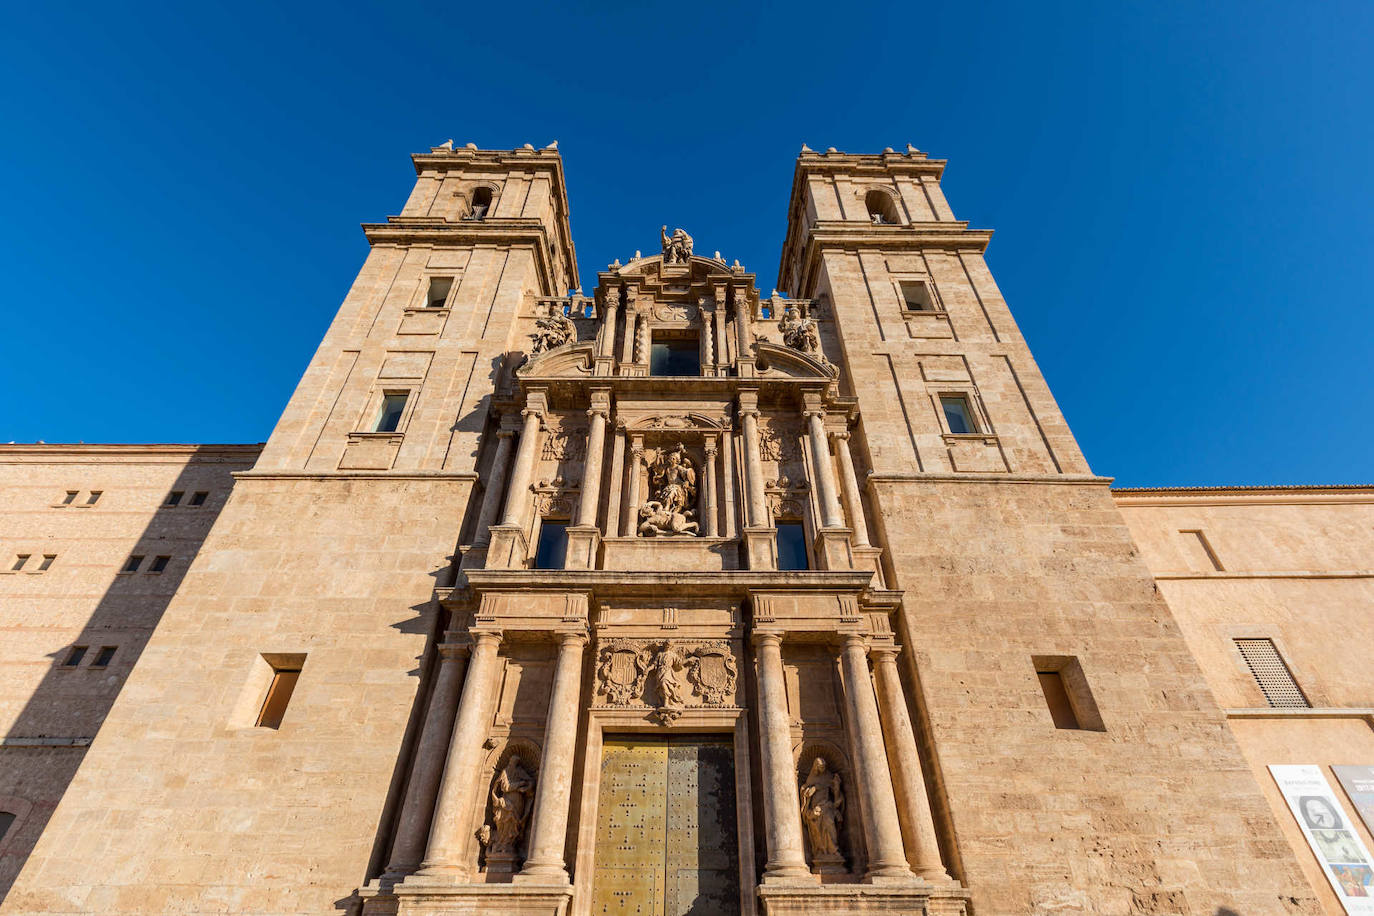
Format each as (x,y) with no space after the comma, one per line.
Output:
(703,850)
(630,829)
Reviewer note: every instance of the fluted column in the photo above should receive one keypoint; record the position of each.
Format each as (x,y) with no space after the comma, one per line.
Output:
(454,812)
(849,487)
(913,804)
(549,823)
(781,805)
(524,469)
(631,521)
(496,487)
(712,502)
(605,344)
(831,517)
(882,829)
(428,767)
(758,509)
(591,473)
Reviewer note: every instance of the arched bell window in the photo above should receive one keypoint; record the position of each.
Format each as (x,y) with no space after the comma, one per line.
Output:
(481,203)
(882,211)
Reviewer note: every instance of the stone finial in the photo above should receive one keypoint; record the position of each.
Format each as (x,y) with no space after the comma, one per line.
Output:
(831,149)
(528,146)
(553,145)
(470,146)
(888,149)
(806,149)
(718,257)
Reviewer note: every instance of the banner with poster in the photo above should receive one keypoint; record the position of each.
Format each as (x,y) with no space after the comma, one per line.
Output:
(1358,783)
(1348,865)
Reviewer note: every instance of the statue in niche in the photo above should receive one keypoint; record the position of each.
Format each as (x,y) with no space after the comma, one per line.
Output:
(512,796)
(552,331)
(800,332)
(673,491)
(822,810)
(677,248)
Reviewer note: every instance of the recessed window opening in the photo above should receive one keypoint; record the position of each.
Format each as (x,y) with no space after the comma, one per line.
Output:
(481,203)
(74,656)
(1057,696)
(20,560)
(917,297)
(159,564)
(389,415)
(765,311)
(589,309)
(792,546)
(881,210)
(174,497)
(132,564)
(1065,686)
(47,561)
(286,671)
(6,821)
(552,552)
(958,414)
(103,659)
(674,356)
(198,497)
(94,497)
(439,288)
(70,497)
(1271,674)
(1201,549)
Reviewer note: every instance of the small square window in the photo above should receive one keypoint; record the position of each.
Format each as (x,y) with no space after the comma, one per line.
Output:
(553,545)
(958,414)
(916,296)
(47,561)
(19,561)
(1271,673)
(70,497)
(74,656)
(1065,686)
(439,288)
(174,498)
(389,415)
(159,564)
(132,564)
(792,546)
(6,822)
(103,659)
(94,497)
(198,498)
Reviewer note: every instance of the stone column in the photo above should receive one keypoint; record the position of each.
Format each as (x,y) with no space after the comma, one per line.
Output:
(712,504)
(428,766)
(913,808)
(605,344)
(758,508)
(549,822)
(631,521)
(882,829)
(708,348)
(516,503)
(781,803)
(496,488)
(849,487)
(591,468)
(722,342)
(824,470)
(453,815)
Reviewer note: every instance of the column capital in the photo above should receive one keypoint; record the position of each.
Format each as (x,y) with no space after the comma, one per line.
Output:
(571,638)
(504,433)
(602,412)
(882,654)
(818,413)
(486,637)
(710,449)
(853,640)
(766,637)
(528,412)
(748,412)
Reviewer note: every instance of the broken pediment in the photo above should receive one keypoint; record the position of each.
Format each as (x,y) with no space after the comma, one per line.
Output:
(778,360)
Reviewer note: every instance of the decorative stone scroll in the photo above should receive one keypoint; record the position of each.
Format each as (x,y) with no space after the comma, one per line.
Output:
(684,675)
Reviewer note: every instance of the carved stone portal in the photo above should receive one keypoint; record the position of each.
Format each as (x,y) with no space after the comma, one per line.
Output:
(822,811)
(512,797)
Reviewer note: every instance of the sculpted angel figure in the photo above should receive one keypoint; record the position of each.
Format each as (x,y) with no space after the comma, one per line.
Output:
(822,804)
(678,248)
(511,794)
(674,479)
(799,333)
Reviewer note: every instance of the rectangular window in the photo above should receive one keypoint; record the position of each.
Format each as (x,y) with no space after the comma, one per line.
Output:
(174,498)
(70,497)
(553,545)
(958,414)
(159,564)
(103,659)
(675,356)
(132,564)
(94,497)
(1067,694)
(198,498)
(917,298)
(389,416)
(1271,674)
(74,656)
(47,561)
(439,288)
(284,678)
(20,560)
(1057,696)
(792,545)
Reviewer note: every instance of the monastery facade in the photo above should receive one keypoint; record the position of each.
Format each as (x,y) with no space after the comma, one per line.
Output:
(675,598)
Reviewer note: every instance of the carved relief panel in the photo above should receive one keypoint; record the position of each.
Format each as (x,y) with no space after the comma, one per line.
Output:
(666,675)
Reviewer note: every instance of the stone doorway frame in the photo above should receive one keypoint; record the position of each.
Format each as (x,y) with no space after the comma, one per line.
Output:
(732,721)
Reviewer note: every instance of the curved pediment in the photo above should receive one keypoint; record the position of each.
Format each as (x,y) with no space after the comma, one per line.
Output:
(673,422)
(699,267)
(572,360)
(776,359)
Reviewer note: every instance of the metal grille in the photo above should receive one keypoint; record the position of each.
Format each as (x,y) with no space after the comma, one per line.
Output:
(1272,675)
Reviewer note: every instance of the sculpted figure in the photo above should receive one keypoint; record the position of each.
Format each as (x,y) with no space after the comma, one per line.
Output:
(672,491)
(822,804)
(551,331)
(800,333)
(678,248)
(511,795)
(666,665)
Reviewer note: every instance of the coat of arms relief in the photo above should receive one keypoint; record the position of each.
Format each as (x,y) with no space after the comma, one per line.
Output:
(675,676)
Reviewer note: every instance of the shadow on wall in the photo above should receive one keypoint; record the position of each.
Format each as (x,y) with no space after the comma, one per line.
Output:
(48,739)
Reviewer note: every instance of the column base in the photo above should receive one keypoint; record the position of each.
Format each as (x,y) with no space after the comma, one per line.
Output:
(507,899)
(761,547)
(834,548)
(509,548)
(584,541)
(916,898)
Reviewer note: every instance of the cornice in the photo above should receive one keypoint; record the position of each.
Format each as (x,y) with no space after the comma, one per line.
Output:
(496,232)
(653,583)
(1355,494)
(30,453)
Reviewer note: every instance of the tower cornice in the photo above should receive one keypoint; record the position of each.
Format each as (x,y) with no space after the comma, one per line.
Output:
(401,230)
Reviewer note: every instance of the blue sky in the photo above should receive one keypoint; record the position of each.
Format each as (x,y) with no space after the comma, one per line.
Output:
(1181,194)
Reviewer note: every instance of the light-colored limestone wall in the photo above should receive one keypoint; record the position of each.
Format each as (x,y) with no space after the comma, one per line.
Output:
(1297,568)
(50,711)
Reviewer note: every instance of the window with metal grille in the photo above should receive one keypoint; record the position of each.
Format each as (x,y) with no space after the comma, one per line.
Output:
(1272,675)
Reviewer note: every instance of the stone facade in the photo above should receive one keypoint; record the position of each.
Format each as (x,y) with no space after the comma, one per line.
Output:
(677,592)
